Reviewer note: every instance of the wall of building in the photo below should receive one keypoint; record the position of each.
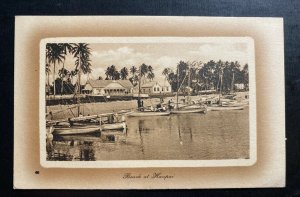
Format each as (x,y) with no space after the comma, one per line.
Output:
(98,91)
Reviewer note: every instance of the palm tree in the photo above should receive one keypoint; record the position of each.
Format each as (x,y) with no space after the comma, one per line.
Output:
(47,67)
(143,70)
(82,52)
(183,68)
(116,75)
(124,73)
(166,73)
(245,74)
(48,71)
(134,78)
(113,74)
(172,79)
(113,71)
(218,74)
(63,73)
(66,48)
(108,73)
(133,70)
(150,76)
(54,55)
(150,69)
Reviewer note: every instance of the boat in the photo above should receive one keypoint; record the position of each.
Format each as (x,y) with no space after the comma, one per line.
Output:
(227,102)
(224,108)
(94,117)
(76,130)
(186,111)
(233,104)
(83,137)
(190,106)
(148,113)
(57,124)
(87,129)
(114,126)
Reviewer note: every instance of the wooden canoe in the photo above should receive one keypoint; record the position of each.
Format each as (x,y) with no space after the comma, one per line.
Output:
(148,113)
(194,106)
(187,111)
(76,130)
(220,108)
(114,126)
(86,137)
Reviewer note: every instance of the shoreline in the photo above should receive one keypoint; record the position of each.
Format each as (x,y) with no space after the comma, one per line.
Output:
(62,111)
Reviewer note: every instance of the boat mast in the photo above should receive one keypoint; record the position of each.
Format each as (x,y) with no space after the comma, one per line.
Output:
(221,83)
(79,91)
(177,87)
(189,83)
(47,85)
(54,89)
(232,82)
(139,95)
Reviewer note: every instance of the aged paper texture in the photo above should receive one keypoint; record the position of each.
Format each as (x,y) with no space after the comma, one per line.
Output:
(32,169)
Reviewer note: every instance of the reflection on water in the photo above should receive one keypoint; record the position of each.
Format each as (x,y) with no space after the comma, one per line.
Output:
(215,135)
(71,151)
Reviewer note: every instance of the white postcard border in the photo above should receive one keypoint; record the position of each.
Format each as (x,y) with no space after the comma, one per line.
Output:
(151,163)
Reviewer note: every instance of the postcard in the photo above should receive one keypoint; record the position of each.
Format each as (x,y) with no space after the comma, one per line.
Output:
(115,108)
(147,102)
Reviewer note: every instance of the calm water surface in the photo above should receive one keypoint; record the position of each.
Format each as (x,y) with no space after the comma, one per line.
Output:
(215,135)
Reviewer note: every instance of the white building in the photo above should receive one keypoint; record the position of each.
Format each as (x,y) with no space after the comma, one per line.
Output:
(153,87)
(109,87)
(239,86)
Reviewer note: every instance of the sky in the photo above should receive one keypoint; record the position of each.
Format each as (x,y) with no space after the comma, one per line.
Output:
(158,55)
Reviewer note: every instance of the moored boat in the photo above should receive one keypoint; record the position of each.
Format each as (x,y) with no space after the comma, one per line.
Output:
(114,126)
(192,110)
(224,108)
(148,113)
(233,105)
(76,130)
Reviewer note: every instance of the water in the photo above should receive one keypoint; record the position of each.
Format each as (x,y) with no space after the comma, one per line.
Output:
(215,135)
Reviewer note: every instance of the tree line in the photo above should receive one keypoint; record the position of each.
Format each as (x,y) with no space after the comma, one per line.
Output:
(220,75)
(55,55)
(143,70)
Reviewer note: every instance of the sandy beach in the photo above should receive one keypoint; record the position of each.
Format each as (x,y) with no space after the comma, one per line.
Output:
(62,111)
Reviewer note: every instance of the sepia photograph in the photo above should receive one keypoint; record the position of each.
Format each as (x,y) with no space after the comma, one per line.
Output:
(147,102)
(148,105)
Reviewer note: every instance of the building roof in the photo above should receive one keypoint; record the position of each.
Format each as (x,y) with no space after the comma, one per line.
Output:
(152,83)
(149,84)
(165,83)
(104,83)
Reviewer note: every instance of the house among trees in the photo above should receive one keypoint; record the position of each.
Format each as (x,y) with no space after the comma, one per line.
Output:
(239,86)
(108,87)
(155,88)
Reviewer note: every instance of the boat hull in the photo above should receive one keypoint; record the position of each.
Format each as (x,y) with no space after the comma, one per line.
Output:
(144,114)
(76,130)
(188,111)
(115,126)
(220,108)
